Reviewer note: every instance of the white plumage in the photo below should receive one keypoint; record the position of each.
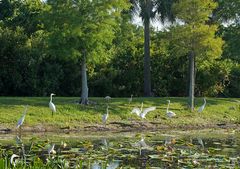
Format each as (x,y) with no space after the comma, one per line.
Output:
(142,112)
(113,165)
(21,120)
(203,106)
(107,98)
(145,111)
(130,99)
(51,105)
(105,116)
(170,114)
(12,161)
(51,149)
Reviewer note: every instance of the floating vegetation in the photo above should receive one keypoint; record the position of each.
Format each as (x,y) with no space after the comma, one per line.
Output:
(151,150)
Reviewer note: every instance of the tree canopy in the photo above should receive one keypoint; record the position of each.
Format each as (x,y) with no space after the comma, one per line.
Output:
(43,43)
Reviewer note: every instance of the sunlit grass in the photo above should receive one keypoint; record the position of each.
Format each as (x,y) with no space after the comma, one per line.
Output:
(71,114)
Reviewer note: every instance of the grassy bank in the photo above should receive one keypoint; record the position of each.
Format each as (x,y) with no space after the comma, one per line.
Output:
(74,116)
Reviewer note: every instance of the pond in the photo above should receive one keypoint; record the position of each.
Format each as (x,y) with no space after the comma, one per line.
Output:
(163,149)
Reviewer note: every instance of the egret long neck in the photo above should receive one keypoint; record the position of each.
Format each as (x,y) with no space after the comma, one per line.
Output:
(141,107)
(25,111)
(51,98)
(168,106)
(204,102)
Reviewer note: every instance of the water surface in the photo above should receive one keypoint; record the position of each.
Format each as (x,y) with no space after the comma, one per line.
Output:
(165,149)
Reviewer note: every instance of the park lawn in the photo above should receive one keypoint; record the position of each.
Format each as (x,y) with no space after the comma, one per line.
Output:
(72,115)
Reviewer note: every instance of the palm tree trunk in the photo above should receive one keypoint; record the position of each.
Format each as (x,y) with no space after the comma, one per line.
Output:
(191,80)
(147,73)
(84,94)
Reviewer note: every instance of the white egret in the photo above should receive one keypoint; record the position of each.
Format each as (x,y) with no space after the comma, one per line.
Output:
(170,114)
(142,112)
(203,106)
(105,116)
(130,99)
(107,98)
(12,161)
(51,105)
(21,120)
(51,149)
(113,165)
(200,142)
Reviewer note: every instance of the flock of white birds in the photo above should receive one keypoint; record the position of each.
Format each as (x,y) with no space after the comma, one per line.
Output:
(138,111)
(143,112)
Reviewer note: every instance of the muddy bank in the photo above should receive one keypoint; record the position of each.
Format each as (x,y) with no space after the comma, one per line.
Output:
(119,127)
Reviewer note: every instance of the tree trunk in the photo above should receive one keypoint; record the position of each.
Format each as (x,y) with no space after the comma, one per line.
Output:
(84,95)
(147,73)
(191,80)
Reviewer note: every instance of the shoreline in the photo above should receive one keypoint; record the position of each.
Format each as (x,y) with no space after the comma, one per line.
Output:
(119,127)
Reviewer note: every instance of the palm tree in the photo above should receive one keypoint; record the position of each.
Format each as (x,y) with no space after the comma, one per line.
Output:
(148,10)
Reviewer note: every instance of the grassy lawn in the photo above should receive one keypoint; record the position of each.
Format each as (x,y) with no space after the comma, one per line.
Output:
(70,114)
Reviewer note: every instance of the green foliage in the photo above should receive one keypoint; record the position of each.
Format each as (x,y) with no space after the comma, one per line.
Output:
(233,89)
(194,11)
(76,29)
(227,10)
(42,43)
(14,57)
(232,44)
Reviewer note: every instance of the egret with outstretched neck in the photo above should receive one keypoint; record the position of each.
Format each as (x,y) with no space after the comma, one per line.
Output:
(21,120)
(170,114)
(203,106)
(130,99)
(51,105)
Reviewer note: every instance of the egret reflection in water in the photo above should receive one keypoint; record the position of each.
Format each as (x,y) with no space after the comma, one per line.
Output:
(200,141)
(111,165)
(151,150)
(141,144)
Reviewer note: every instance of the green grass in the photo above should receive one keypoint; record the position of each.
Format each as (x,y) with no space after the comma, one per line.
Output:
(70,114)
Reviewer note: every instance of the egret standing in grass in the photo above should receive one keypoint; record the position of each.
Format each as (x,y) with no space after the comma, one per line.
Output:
(21,120)
(170,114)
(51,105)
(130,99)
(143,112)
(105,117)
(203,106)
(107,98)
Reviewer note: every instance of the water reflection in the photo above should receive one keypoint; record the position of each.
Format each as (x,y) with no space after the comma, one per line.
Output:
(128,150)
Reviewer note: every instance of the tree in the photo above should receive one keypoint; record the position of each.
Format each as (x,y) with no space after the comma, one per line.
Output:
(84,30)
(148,10)
(195,37)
